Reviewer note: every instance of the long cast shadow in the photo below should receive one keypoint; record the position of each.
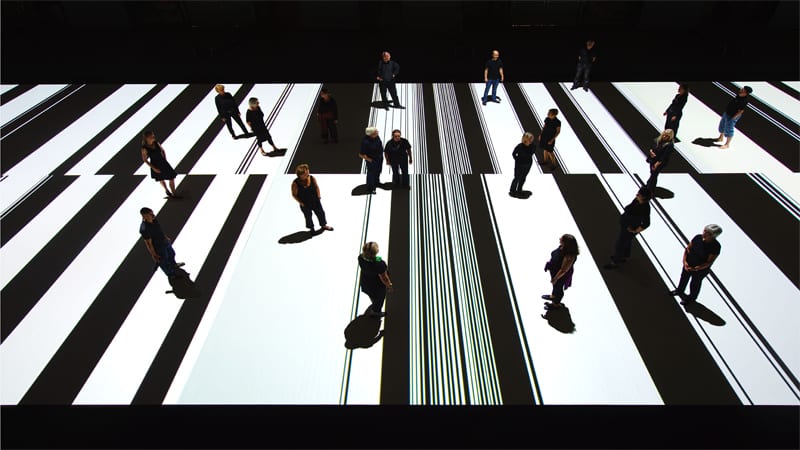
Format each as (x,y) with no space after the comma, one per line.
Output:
(182,285)
(299,236)
(362,189)
(560,319)
(363,332)
(701,312)
(706,142)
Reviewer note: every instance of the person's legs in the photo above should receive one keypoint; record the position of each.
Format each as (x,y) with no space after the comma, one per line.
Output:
(395,174)
(586,69)
(323,127)
(238,120)
(403,165)
(373,174)
(558,290)
(167,259)
(728,132)
(320,214)
(651,182)
(486,91)
(521,173)
(578,76)
(723,124)
(382,88)
(694,285)
(261,146)
(307,214)
(622,248)
(684,280)
(377,299)
(269,139)
(229,125)
(172,185)
(164,185)
(333,130)
(494,89)
(393,90)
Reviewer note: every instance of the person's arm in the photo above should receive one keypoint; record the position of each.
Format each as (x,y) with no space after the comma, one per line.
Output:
(395,70)
(314,180)
(294,194)
(408,151)
(386,152)
(558,131)
(146,161)
(149,244)
(385,280)
(486,75)
(502,77)
(515,153)
(363,155)
(566,264)
(685,254)
(706,264)
(163,153)
(738,114)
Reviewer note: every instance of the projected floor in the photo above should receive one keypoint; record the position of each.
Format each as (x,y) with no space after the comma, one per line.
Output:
(85,319)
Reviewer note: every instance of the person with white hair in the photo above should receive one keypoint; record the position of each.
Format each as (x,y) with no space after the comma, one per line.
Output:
(372,152)
(701,252)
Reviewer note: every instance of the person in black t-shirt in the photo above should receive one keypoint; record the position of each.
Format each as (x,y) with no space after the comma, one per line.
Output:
(561,268)
(586,58)
(255,118)
(372,152)
(398,155)
(374,278)
(674,111)
(547,140)
(523,160)
(732,114)
(158,244)
(160,169)
(492,76)
(227,109)
(306,191)
(328,116)
(386,75)
(701,252)
(634,219)
(658,157)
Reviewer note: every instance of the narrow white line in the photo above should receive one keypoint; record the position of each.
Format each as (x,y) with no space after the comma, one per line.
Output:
(761,113)
(28,100)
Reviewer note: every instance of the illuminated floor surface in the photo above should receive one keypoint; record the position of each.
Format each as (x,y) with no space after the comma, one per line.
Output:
(85,319)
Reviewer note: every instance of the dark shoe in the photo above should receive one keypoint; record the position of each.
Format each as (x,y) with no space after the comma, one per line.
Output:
(675,292)
(611,265)
(373,192)
(547,297)
(586,89)
(327,228)
(484,102)
(574,86)
(180,264)
(400,107)
(687,301)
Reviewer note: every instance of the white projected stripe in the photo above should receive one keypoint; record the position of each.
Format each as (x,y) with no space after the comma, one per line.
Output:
(793,84)
(18,251)
(505,131)
(568,147)
(7,87)
(118,374)
(50,155)
(27,100)
(743,156)
(132,128)
(36,339)
(780,101)
(740,262)
(282,342)
(589,374)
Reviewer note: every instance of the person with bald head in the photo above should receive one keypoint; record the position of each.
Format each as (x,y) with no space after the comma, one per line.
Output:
(492,76)
(386,74)
(228,110)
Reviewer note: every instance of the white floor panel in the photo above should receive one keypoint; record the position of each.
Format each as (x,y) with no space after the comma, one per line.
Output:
(503,126)
(27,100)
(780,101)
(7,87)
(574,368)
(793,84)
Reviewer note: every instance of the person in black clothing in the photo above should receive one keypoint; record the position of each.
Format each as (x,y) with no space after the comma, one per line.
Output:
(158,244)
(372,152)
(561,267)
(386,75)
(547,140)
(586,58)
(732,114)
(306,191)
(658,158)
(255,118)
(398,154)
(634,220)
(154,156)
(674,111)
(228,110)
(328,117)
(523,160)
(374,278)
(492,76)
(701,252)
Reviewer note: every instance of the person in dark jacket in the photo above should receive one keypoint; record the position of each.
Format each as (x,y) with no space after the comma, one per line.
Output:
(547,140)
(158,244)
(306,191)
(733,112)
(154,156)
(561,267)
(523,160)
(586,57)
(674,111)
(698,257)
(255,118)
(634,219)
(374,280)
(328,117)
(372,152)
(386,75)
(658,157)
(227,109)
(398,155)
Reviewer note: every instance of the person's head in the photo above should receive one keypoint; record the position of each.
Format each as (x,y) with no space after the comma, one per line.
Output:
(552,113)
(666,136)
(495,54)
(324,94)
(590,44)
(527,138)
(711,231)
(302,171)
(253,102)
(386,56)
(745,91)
(371,132)
(396,135)
(148,137)
(369,250)
(683,89)
(569,245)
(147,214)
(643,195)
(220,89)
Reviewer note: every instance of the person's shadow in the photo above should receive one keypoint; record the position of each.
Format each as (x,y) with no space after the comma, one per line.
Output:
(663,193)
(362,189)
(560,319)
(701,312)
(299,236)
(522,194)
(706,142)
(380,104)
(182,286)
(363,332)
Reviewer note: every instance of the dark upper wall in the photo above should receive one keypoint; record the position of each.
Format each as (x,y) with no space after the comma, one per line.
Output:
(341,41)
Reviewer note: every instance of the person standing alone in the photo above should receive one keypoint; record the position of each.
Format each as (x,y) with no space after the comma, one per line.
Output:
(386,74)
(492,76)
(586,58)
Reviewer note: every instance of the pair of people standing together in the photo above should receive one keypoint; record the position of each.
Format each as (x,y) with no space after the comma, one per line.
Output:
(397,152)
(523,152)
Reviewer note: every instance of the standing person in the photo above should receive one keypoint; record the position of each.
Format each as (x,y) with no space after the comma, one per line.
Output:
(154,156)
(523,160)
(228,110)
(586,58)
(547,140)
(634,220)
(492,76)
(374,278)
(658,158)
(306,191)
(372,152)
(561,268)
(398,154)
(158,244)
(674,111)
(328,116)
(732,113)
(386,75)
(701,252)
(255,118)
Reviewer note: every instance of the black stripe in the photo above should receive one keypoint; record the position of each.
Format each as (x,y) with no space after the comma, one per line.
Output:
(786,88)
(128,159)
(66,373)
(92,143)
(528,119)
(766,109)
(18,145)
(31,283)
(636,126)
(432,143)
(668,345)
(479,158)
(17,218)
(766,223)
(15,92)
(511,370)
(353,101)
(772,140)
(165,365)
(395,367)
(37,109)
(196,152)
(594,148)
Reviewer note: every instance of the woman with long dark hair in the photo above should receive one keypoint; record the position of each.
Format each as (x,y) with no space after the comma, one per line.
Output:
(561,267)
(154,156)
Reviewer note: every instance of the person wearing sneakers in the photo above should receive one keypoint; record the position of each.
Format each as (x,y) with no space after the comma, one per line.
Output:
(375,280)
(227,109)
(732,114)
(158,244)
(698,257)
(306,191)
(255,118)
(492,76)
(561,267)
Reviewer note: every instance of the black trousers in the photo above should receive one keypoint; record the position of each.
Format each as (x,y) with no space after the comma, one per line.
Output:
(238,120)
(622,248)
(267,137)
(651,182)
(377,298)
(399,164)
(317,209)
(327,125)
(558,288)
(521,171)
(374,169)
(694,285)
(669,125)
(390,85)
(582,74)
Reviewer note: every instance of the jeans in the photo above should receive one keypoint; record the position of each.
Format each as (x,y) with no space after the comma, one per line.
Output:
(493,84)
(726,124)
(166,259)
(582,74)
